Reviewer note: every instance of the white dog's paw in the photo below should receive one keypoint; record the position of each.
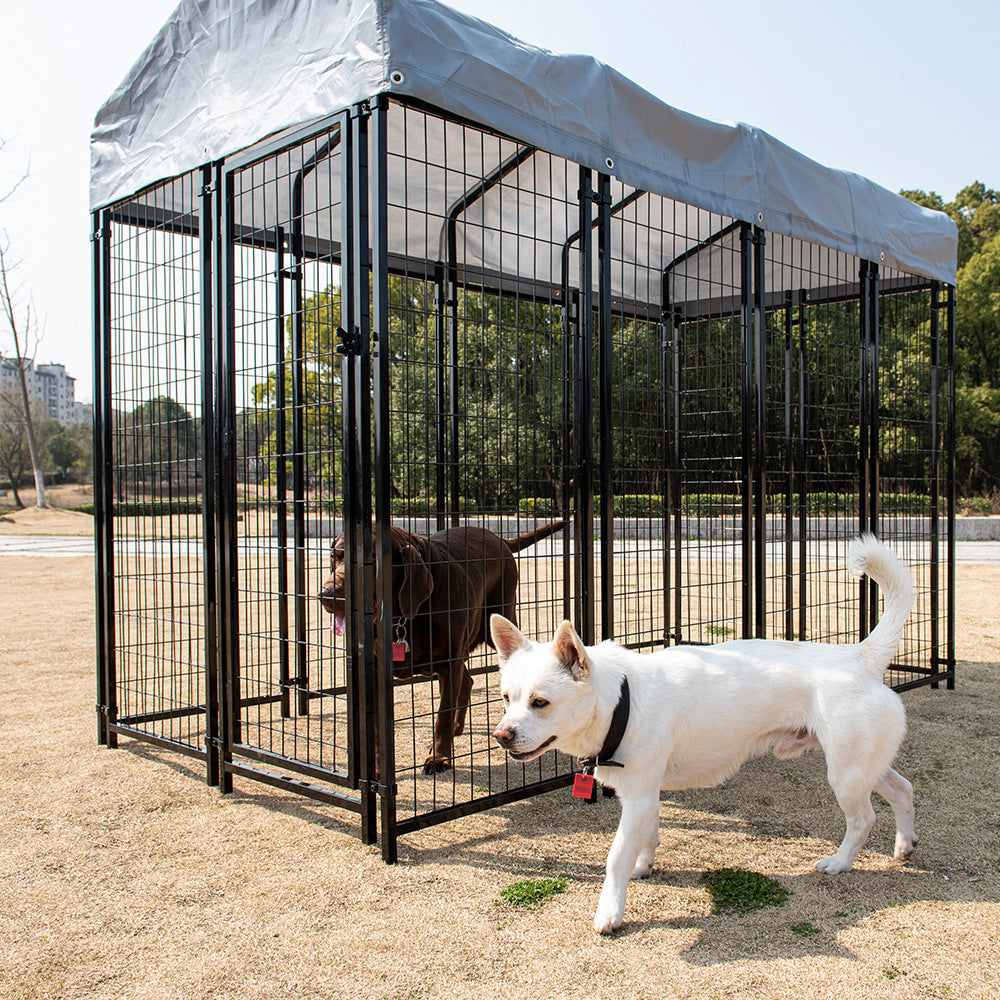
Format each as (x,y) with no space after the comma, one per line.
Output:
(904,846)
(833,865)
(606,920)
(643,869)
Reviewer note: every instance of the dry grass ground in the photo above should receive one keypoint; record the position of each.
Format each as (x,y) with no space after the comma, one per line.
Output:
(123,875)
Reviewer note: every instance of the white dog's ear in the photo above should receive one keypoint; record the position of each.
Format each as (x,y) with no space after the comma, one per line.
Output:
(570,652)
(507,638)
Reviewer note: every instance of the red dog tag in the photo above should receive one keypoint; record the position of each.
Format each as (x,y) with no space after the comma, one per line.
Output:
(583,787)
(399,651)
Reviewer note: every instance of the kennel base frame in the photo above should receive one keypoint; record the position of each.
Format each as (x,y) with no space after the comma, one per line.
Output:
(587,578)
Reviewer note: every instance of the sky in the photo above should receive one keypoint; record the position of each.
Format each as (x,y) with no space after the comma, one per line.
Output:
(905,92)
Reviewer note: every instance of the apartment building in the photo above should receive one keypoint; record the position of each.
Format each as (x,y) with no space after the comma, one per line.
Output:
(49,384)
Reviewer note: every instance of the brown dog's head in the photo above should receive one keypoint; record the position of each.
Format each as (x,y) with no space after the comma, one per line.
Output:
(412,582)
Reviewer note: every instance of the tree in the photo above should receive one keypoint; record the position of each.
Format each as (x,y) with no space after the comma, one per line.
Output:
(15,460)
(64,448)
(976,212)
(160,443)
(22,327)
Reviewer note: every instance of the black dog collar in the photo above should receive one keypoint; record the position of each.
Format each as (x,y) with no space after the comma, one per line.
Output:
(583,786)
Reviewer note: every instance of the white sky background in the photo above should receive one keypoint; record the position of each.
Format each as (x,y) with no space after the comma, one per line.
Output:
(906,93)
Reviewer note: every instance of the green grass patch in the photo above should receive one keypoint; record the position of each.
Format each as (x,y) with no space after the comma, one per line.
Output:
(532,892)
(735,890)
(718,630)
(805,929)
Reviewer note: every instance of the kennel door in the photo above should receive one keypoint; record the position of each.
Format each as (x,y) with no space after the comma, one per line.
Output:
(281,387)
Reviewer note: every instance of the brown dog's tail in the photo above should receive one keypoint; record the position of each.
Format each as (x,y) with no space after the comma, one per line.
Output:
(530,537)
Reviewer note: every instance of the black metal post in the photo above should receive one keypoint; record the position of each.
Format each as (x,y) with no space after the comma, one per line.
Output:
(444,313)
(874,448)
(605,405)
(281,470)
(935,461)
(803,478)
(747,435)
(864,436)
(108,477)
(206,238)
(760,433)
(671,445)
(583,371)
(227,601)
(950,453)
(378,186)
(301,678)
(570,309)
(790,471)
(357,493)
(101,282)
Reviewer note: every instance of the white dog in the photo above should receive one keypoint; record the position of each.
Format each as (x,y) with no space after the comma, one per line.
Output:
(690,716)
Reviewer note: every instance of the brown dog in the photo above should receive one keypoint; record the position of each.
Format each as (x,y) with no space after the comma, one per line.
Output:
(444,588)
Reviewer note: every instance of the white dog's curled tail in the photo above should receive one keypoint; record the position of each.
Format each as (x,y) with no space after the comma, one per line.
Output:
(867,554)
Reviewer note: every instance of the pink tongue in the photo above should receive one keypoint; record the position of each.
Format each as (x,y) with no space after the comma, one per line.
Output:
(339,625)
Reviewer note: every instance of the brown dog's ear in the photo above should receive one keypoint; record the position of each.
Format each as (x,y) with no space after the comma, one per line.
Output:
(570,651)
(417,582)
(507,638)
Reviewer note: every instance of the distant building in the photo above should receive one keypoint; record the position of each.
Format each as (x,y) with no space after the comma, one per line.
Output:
(49,384)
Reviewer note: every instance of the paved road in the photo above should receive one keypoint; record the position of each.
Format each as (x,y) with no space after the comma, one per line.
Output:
(56,546)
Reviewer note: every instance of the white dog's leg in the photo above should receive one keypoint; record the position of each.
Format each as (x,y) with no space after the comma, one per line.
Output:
(637,828)
(898,792)
(644,863)
(854,792)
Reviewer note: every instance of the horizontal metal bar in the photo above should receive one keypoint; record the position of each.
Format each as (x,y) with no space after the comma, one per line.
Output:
(159,741)
(170,713)
(928,678)
(291,764)
(481,805)
(327,795)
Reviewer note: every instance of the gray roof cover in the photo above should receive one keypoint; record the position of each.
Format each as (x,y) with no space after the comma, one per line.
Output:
(223,74)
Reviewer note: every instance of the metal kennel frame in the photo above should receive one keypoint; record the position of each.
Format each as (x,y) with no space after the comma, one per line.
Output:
(714,408)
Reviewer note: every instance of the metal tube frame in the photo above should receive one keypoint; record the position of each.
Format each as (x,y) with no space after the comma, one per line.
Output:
(367,476)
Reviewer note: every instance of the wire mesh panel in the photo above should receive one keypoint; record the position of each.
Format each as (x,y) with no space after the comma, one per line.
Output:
(152,414)
(815,356)
(477,401)
(709,401)
(290,692)
(910,435)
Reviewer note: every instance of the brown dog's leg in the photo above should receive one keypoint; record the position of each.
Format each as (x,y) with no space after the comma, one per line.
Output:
(454,683)
(462,700)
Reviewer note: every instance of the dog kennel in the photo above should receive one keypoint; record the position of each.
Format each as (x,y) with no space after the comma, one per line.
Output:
(375,263)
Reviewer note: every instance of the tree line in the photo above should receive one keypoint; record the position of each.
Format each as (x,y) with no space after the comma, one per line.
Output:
(499,410)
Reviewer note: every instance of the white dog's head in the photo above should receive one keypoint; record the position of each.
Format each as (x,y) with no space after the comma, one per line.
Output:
(546,690)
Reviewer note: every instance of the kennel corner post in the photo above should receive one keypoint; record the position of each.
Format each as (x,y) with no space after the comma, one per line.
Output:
(214,695)
(103,479)
(868,444)
(605,404)
(583,417)
(378,188)
(356,413)
(950,487)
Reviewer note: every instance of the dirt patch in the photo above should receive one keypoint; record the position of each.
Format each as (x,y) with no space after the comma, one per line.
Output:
(46,521)
(124,875)
(55,519)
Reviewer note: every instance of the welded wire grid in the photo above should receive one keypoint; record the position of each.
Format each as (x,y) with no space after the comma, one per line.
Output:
(702,286)
(477,396)
(814,359)
(911,455)
(154,407)
(286,294)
